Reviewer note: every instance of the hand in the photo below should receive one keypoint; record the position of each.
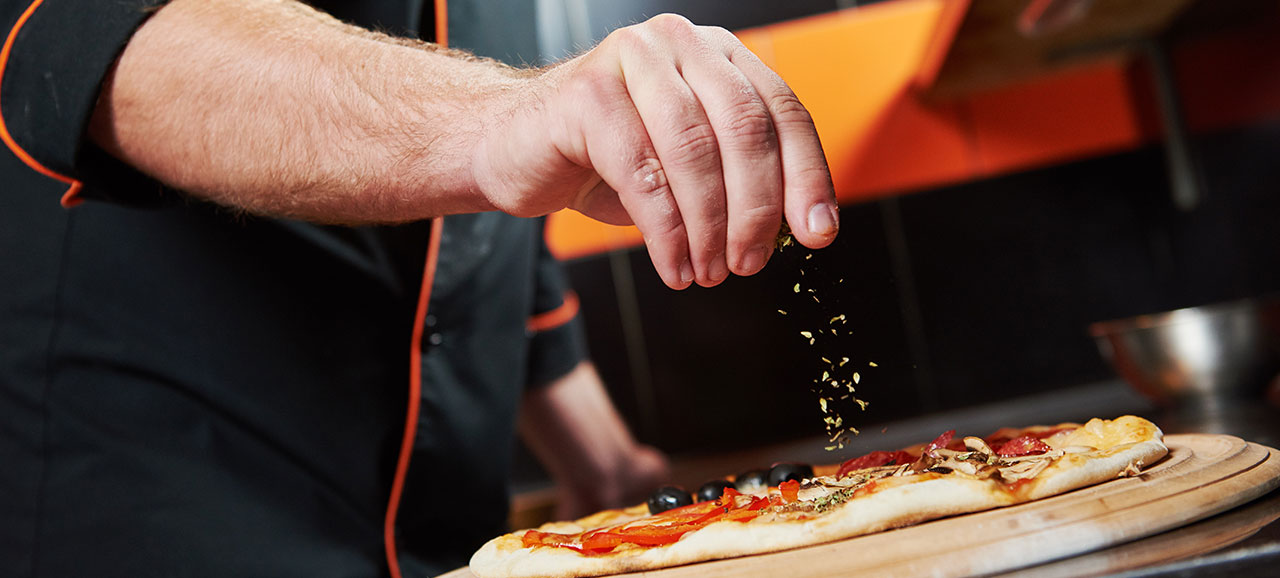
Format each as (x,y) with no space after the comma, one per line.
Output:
(637,475)
(676,128)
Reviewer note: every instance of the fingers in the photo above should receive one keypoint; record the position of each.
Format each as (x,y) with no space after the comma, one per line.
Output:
(810,202)
(707,150)
(749,152)
(686,144)
(622,154)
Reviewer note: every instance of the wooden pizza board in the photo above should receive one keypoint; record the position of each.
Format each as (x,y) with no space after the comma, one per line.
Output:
(1203,475)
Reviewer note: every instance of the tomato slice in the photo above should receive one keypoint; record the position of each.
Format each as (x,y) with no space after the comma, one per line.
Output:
(658,530)
(535,538)
(600,542)
(790,490)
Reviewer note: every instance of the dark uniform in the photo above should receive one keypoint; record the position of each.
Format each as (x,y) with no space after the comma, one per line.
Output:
(186,391)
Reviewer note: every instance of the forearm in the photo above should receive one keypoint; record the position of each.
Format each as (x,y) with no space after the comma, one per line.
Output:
(579,437)
(574,429)
(272,107)
(269,106)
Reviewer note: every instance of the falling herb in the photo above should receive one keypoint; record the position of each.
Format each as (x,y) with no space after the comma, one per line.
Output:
(785,238)
(835,387)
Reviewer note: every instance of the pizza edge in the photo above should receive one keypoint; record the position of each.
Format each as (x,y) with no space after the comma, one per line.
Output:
(1126,444)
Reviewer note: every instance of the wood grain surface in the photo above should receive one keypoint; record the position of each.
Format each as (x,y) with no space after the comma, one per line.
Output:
(1203,475)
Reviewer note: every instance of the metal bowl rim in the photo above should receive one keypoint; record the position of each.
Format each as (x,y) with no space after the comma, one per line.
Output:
(1183,315)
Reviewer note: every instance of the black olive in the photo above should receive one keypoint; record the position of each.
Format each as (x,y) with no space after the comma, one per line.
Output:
(668,497)
(712,490)
(751,479)
(789,471)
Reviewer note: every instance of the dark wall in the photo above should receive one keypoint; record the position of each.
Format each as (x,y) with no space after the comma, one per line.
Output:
(962,295)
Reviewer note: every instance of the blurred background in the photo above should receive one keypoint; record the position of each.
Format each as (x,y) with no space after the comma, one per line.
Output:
(1009,171)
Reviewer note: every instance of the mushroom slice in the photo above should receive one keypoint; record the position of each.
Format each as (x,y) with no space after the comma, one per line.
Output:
(1023,470)
(977,445)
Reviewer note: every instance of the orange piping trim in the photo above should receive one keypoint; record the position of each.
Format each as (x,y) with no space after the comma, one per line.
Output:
(442,23)
(70,198)
(415,398)
(556,317)
(415,357)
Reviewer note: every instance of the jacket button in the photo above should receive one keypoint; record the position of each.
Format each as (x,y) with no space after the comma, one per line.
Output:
(435,339)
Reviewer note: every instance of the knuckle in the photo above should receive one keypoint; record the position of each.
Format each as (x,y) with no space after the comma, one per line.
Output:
(750,122)
(650,178)
(695,144)
(673,24)
(667,229)
(753,226)
(787,109)
(712,239)
(814,179)
(630,38)
(760,215)
(655,194)
(717,33)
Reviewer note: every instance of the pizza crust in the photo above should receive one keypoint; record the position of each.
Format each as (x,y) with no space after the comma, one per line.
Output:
(1122,445)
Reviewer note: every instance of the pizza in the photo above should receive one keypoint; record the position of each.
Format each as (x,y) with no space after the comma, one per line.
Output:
(791,505)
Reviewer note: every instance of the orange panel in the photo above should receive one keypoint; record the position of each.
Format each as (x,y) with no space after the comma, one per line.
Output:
(858,70)
(570,234)
(852,70)
(915,145)
(1066,116)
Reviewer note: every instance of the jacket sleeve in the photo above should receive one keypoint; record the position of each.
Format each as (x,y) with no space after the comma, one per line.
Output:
(557,340)
(55,56)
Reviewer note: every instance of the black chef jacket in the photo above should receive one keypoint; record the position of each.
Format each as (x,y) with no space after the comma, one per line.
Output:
(186,391)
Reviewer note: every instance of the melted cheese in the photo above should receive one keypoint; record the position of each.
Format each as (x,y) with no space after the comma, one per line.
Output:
(1106,434)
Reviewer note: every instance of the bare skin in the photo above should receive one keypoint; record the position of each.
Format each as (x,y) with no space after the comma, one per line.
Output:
(576,433)
(274,108)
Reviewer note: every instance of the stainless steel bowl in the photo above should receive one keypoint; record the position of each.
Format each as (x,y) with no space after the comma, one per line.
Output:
(1222,351)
